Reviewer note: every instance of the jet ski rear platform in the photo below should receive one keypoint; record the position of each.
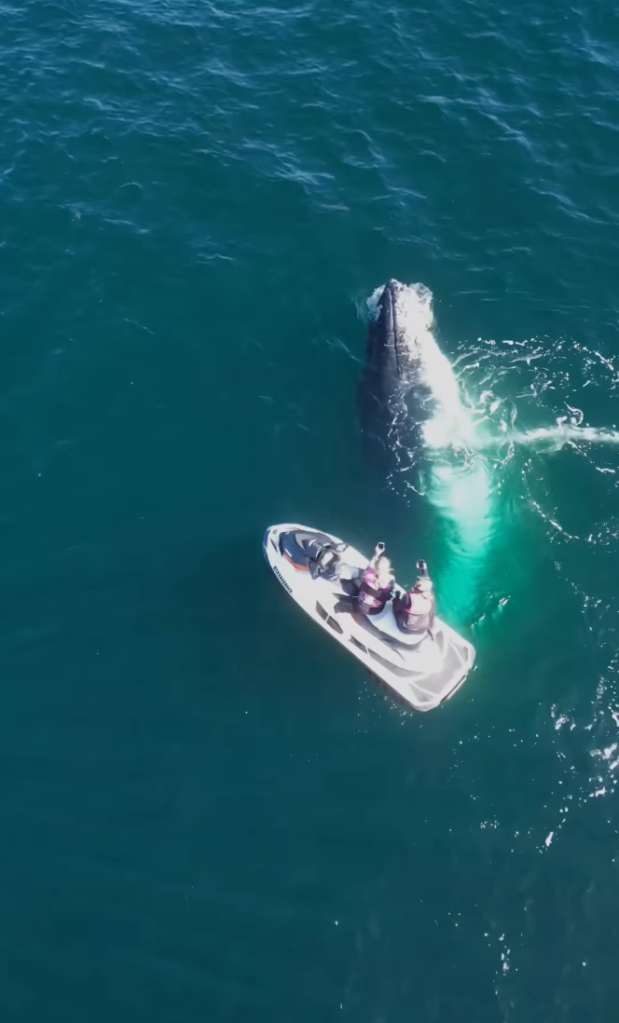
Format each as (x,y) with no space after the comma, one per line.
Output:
(319,571)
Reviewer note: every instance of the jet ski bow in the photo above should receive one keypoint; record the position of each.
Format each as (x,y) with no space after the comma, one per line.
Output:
(322,574)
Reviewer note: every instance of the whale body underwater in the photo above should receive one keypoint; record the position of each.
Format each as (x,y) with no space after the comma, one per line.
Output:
(419,437)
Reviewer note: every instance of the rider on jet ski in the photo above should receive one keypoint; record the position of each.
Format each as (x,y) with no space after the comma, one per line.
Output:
(377,584)
(415,611)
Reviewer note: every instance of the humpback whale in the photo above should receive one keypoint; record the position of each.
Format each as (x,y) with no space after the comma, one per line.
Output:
(419,436)
(408,397)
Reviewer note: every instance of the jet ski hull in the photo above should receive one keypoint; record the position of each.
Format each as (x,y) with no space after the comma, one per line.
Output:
(423,671)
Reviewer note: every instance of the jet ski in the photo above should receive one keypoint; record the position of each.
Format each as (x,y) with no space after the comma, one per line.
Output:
(322,573)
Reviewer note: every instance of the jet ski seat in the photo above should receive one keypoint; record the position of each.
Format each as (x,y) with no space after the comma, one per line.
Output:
(312,552)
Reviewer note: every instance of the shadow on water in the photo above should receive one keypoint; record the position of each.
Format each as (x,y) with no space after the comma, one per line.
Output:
(246,639)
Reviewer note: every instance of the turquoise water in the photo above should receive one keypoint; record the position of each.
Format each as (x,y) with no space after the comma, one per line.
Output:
(208,811)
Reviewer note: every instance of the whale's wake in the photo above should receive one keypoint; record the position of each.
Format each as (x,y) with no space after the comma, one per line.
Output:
(552,438)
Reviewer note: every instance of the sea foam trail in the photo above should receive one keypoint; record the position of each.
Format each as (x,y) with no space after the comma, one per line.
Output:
(545,438)
(555,437)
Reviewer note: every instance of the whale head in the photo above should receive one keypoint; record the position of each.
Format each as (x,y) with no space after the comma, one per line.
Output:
(408,396)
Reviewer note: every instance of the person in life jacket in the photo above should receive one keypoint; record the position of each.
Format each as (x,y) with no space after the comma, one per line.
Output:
(415,611)
(377,584)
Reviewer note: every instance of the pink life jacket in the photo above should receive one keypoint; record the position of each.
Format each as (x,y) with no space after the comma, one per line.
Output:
(372,598)
(417,614)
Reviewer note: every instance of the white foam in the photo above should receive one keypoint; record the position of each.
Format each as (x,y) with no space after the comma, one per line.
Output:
(548,438)
(372,303)
(556,437)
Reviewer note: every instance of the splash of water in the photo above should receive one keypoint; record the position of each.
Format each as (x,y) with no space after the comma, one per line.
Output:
(557,437)
(543,438)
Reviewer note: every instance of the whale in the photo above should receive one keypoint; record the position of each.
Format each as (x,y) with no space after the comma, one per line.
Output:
(445,455)
(419,435)
(408,398)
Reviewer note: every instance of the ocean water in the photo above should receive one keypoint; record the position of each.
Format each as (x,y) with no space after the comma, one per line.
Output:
(208,811)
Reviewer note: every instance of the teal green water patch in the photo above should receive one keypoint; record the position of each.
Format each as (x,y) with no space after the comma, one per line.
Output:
(464,512)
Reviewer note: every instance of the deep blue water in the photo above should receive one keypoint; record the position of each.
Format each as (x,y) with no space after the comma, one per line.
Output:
(208,811)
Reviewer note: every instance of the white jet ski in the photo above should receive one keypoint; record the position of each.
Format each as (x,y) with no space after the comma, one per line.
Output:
(319,571)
